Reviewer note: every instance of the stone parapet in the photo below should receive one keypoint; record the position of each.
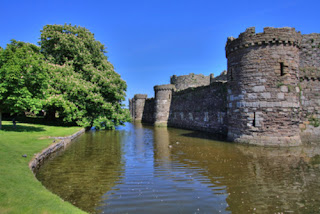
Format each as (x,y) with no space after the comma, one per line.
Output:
(164,87)
(190,81)
(140,96)
(286,36)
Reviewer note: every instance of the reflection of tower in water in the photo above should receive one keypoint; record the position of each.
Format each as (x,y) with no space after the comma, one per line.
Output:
(293,178)
(139,139)
(161,144)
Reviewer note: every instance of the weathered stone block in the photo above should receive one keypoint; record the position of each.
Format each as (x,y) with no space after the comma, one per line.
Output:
(259,88)
(266,95)
(284,88)
(280,96)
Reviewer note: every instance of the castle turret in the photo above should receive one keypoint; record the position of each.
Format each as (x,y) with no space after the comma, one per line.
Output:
(190,81)
(138,103)
(263,93)
(131,108)
(163,96)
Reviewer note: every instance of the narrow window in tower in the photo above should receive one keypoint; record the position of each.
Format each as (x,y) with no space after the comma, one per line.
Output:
(281,68)
(254,120)
(169,96)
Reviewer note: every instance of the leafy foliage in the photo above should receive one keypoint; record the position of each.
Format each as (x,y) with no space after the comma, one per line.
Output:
(23,77)
(69,76)
(314,121)
(83,84)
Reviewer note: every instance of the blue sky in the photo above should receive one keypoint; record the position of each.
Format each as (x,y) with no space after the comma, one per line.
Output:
(149,41)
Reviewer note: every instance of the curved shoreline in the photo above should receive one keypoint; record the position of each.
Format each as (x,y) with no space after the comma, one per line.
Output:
(45,154)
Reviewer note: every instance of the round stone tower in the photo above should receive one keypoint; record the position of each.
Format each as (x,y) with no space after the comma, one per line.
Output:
(263,93)
(163,96)
(138,103)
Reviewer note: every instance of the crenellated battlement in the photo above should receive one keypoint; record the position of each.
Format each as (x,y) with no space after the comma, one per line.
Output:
(190,81)
(140,96)
(164,87)
(269,36)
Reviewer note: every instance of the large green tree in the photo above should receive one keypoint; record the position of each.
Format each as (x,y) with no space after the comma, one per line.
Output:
(23,78)
(83,84)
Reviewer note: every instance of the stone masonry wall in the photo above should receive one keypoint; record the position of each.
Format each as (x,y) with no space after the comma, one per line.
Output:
(270,94)
(310,76)
(148,112)
(163,96)
(310,53)
(191,80)
(310,98)
(202,108)
(138,106)
(263,92)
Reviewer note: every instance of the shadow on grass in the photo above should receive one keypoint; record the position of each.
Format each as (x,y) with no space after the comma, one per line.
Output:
(21,128)
(39,121)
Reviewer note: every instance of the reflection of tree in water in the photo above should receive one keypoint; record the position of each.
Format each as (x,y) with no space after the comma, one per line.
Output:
(261,180)
(97,154)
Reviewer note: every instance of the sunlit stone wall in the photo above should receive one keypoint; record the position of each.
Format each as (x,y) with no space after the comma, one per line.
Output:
(263,87)
(202,108)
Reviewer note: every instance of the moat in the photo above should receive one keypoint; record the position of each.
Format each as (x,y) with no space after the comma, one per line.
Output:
(146,169)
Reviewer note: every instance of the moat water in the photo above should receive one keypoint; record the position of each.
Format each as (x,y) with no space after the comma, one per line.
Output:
(144,169)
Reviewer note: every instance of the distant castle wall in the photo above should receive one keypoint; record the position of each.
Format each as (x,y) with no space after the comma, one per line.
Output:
(310,75)
(202,108)
(310,86)
(270,94)
(148,111)
(190,81)
(138,103)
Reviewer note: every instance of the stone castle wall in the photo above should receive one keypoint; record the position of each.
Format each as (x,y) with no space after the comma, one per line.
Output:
(310,76)
(263,101)
(138,103)
(148,111)
(202,108)
(163,96)
(270,94)
(190,81)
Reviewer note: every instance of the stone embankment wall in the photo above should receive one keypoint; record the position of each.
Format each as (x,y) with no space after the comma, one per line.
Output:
(202,108)
(47,153)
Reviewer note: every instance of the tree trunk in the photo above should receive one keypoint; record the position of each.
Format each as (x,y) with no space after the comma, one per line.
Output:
(50,115)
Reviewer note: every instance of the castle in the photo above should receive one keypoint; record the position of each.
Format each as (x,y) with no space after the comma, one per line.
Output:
(269,95)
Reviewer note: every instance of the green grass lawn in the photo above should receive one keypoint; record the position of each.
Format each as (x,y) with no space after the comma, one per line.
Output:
(20,191)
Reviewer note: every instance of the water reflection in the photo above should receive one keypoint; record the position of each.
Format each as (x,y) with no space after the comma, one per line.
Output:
(143,169)
(86,170)
(162,148)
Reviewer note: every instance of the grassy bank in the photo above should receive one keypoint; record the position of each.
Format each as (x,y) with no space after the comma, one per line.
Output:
(20,191)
